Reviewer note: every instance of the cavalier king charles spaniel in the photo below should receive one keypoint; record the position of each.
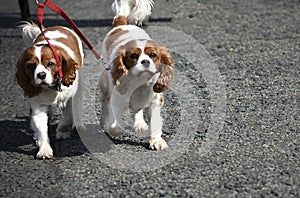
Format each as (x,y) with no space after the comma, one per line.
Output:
(141,71)
(37,74)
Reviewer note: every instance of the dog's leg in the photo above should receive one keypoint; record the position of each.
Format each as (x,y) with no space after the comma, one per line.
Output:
(105,96)
(38,123)
(156,122)
(139,122)
(109,113)
(64,128)
(104,110)
(117,105)
(112,125)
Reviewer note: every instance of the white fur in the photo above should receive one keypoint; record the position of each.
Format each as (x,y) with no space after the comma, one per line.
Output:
(41,68)
(139,123)
(59,44)
(133,32)
(69,100)
(53,35)
(135,10)
(140,98)
(135,90)
(29,33)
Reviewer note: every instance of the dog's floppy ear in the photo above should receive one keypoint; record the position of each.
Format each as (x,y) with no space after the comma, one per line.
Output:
(166,72)
(25,77)
(69,67)
(119,68)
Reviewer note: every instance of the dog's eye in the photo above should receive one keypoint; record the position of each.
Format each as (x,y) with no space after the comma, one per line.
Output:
(50,64)
(134,56)
(153,55)
(31,66)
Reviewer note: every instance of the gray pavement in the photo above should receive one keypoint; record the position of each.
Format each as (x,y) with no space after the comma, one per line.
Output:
(254,151)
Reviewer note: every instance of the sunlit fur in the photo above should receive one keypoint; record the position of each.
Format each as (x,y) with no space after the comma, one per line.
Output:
(141,71)
(37,72)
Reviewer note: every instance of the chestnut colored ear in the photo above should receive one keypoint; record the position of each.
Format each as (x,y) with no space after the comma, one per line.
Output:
(118,69)
(69,67)
(25,78)
(166,72)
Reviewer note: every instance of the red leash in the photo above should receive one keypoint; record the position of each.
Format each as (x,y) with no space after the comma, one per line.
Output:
(59,11)
(40,14)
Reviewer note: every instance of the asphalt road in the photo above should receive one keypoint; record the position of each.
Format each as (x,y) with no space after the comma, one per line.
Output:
(231,118)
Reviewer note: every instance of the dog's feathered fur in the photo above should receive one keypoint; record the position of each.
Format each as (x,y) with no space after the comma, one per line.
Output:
(141,71)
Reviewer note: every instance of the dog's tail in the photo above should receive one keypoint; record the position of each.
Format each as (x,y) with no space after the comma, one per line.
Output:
(30,31)
(131,11)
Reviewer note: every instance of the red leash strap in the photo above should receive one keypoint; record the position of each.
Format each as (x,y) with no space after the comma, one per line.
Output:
(59,11)
(40,14)
(62,13)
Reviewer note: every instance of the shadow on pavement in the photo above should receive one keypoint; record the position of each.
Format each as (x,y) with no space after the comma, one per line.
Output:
(17,137)
(9,21)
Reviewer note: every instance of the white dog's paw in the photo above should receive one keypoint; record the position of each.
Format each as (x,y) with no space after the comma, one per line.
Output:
(45,151)
(140,126)
(158,143)
(63,132)
(115,131)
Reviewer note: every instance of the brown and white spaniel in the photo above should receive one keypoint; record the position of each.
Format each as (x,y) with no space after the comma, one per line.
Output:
(37,74)
(141,71)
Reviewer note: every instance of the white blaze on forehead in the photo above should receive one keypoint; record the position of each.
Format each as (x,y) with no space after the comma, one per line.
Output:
(41,68)
(141,44)
(37,52)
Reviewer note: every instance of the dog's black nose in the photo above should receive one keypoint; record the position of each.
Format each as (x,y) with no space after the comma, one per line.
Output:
(146,63)
(41,75)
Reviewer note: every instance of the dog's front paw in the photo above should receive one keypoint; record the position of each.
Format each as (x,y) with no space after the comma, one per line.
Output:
(45,151)
(158,143)
(140,126)
(115,131)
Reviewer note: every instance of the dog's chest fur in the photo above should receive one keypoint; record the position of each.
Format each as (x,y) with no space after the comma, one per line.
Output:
(141,98)
(49,96)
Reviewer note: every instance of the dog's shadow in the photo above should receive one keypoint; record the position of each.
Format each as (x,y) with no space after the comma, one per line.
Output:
(130,142)
(97,141)
(17,137)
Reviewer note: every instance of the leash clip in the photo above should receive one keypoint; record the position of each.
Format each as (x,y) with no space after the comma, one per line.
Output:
(37,2)
(106,65)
